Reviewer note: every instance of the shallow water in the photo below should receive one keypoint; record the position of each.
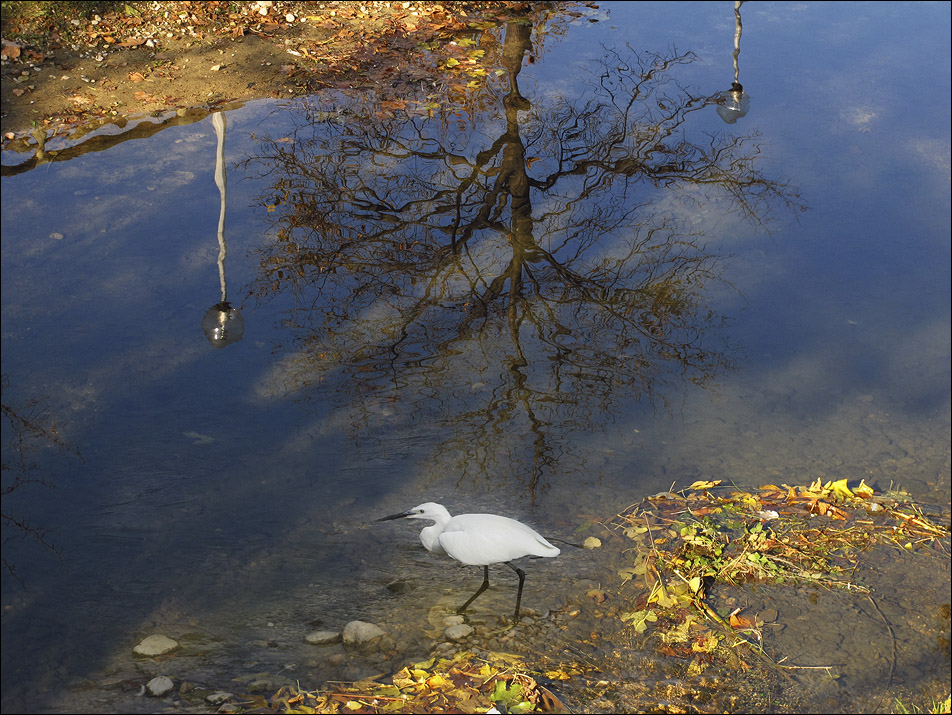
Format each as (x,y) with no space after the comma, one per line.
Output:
(547,305)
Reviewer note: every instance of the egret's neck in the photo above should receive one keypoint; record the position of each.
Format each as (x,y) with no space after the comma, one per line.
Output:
(430,536)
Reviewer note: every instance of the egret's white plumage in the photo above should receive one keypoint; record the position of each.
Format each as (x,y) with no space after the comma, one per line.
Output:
(478,540)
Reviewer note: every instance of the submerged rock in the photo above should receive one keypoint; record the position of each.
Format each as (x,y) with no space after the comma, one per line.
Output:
(458,632)
(322,637)
(361,632)
(155,645)
(219,697)
(159,686)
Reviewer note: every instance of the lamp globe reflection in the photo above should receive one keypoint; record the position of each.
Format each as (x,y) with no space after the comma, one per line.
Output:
(223,325)
(732,104)
(479,540)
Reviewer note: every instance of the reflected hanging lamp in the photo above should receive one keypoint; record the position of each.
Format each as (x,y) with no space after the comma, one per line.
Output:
(734,103)
(223,323)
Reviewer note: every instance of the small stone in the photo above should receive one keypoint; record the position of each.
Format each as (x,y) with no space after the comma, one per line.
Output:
(458,632)
(452,620)
(155,645)
(322,637)
(262,685)
(592,543)
(159,686)
(398,586)
(219,697)
(358,632)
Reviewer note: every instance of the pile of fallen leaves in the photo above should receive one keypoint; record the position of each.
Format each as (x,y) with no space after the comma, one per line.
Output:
(464,684)
(109,25)
(689,540)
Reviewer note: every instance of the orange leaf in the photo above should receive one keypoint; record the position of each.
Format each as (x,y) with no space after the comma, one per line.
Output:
(741,622)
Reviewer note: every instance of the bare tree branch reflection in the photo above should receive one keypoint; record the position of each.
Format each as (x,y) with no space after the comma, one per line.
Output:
(27,430)
(515,282)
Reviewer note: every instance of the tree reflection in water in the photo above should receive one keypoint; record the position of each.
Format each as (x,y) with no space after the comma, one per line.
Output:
(514,276)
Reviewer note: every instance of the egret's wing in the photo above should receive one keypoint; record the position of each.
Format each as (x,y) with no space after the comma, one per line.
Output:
(482,539)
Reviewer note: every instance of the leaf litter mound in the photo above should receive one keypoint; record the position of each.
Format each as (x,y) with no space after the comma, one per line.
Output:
(680,546)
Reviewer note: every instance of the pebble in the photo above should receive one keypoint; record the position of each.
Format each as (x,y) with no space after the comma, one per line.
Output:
(322,637)
(159,686)
(358,632)
(155,645)
(458,632)
(219,697)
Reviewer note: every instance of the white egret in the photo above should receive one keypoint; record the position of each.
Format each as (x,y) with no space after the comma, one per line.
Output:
(478,540)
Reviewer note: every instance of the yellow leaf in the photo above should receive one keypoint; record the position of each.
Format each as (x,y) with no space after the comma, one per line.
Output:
(705,644)
(840,489)
(451,62)
(507,658)
(626,574)
(864,491)
(705,484)
(438,681)
(816,486)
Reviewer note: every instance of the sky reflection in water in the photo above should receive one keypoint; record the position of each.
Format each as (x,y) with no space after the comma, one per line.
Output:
(582,288)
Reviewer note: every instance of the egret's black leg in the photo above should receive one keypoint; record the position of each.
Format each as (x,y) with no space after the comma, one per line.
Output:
(522,580)
(481,589)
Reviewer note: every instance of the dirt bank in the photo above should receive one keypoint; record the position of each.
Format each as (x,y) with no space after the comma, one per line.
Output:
(146,57)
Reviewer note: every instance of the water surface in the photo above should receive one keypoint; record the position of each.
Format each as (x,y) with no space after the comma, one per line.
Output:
(577,287)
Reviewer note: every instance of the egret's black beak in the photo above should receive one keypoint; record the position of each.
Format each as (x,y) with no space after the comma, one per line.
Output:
(401,515)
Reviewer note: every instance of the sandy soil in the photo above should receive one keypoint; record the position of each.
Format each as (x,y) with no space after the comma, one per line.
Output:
(187,54)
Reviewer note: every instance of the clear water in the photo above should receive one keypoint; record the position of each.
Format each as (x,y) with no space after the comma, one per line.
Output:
(546,307)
